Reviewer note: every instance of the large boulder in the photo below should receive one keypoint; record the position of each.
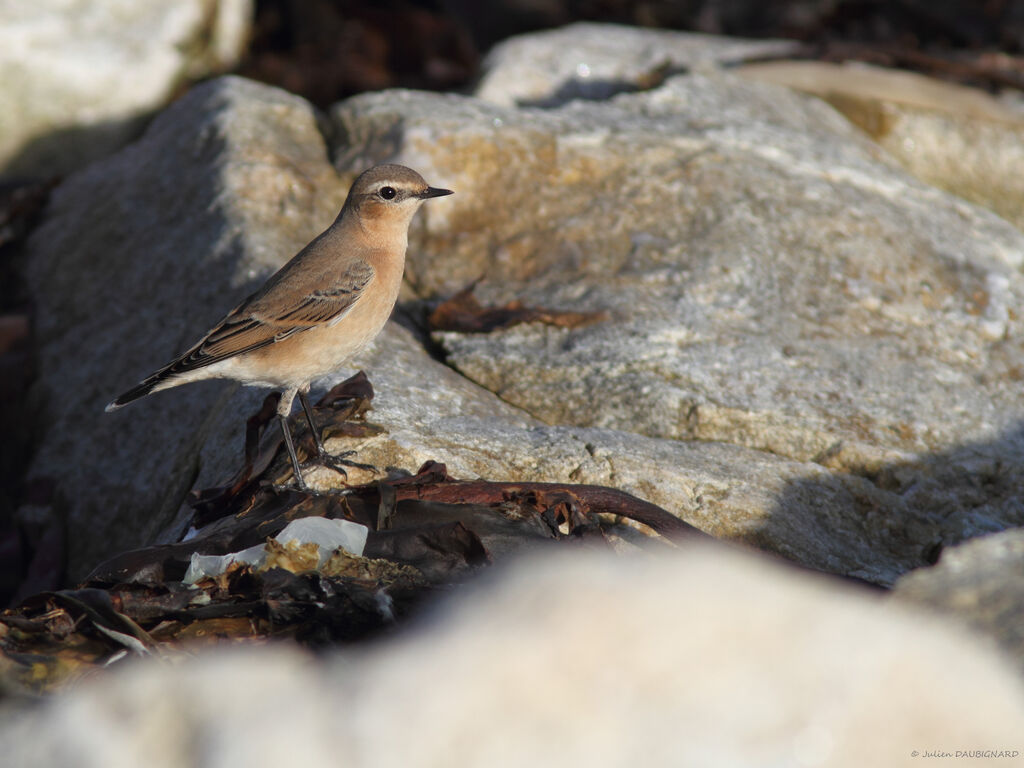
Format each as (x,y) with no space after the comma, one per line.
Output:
(771,279)
(80,77)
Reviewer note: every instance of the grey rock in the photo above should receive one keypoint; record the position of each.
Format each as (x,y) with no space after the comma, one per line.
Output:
(80,77)
(596,61)
(704,658)
(829,522)
(980,584)
(136,257)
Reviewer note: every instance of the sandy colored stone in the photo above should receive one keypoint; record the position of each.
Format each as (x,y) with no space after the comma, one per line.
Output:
(956,138)
(771,279)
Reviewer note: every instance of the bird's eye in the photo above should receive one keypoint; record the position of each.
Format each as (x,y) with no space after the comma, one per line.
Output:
(388,193)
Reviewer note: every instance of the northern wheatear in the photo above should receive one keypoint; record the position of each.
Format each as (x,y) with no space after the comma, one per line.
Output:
(318,310)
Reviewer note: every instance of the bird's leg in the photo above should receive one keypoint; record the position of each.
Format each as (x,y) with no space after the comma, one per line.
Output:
(290,446)
(337,463)
(284,407)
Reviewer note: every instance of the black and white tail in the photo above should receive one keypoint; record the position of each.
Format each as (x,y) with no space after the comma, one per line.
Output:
(162,379)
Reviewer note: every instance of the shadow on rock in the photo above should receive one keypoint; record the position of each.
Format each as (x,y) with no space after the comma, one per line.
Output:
(900,516)
(65,150)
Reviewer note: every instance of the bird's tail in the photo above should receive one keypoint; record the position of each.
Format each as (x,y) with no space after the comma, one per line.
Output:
(159,380)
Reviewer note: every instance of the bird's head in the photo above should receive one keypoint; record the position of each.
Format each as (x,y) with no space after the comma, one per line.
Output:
(390,195)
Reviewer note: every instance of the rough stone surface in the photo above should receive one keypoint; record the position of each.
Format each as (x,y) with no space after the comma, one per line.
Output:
(979,583)
(596,61)
(953,137)
(772,280)
(749,284)
(80,75)
(136,257)
(705,658)
(833,523)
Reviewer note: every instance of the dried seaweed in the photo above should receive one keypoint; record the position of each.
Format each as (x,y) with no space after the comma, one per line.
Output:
(425,533)
(463,313)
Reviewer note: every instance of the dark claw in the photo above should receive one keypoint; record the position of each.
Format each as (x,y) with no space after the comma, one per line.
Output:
(337,463)
(287,488)
(323,458)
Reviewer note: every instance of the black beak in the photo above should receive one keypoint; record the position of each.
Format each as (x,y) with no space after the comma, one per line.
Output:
(429,192)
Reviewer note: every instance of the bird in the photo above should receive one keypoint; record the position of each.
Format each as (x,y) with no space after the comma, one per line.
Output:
(321,308)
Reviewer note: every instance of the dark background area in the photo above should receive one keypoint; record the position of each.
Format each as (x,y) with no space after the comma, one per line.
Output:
(327,50)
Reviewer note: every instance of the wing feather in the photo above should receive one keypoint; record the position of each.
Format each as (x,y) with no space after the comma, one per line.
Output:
(273,315)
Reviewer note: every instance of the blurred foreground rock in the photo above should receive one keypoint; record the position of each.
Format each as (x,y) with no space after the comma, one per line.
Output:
(792,342)
(80,77)
(979,584)
(707,657)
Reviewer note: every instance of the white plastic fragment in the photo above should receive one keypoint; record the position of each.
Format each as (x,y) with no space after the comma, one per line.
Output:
(328,535)
(214,565)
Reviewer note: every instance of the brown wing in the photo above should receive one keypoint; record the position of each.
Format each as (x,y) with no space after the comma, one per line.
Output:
(274,314)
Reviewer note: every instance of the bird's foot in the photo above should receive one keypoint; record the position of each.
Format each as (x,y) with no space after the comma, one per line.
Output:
(337,463)
(289,487)
(301,487)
